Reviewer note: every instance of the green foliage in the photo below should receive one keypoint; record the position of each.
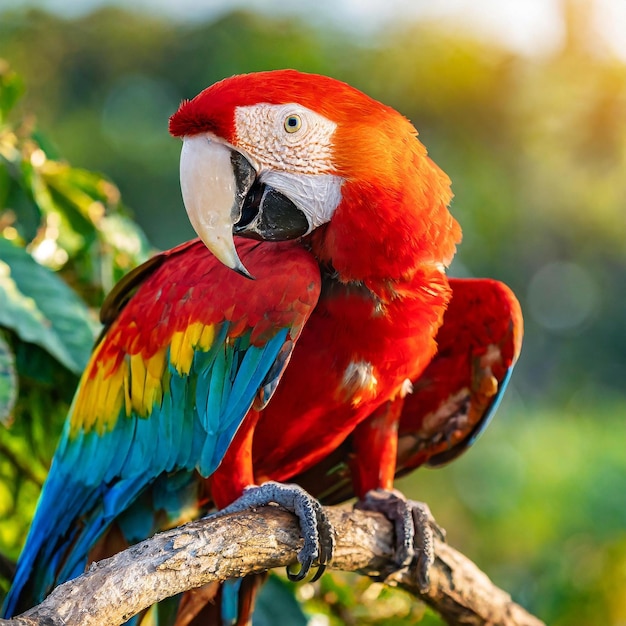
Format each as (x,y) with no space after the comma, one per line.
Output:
(534,147)
(345,598)
(536,150)
(58,225)
(8,381)
(69,219)
(40,309)
(278,594)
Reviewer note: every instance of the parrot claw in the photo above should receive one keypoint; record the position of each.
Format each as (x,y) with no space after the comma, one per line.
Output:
(415,529)
(317,531)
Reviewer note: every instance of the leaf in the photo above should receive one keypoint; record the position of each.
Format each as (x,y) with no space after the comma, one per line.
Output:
(11,89)
(41,309)
(81,187)
(73,227)
(276,604)
(5,184)
(8,382)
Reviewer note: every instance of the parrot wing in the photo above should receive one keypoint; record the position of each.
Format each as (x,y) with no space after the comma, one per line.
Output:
(459,393)
(453,400)
(189,348)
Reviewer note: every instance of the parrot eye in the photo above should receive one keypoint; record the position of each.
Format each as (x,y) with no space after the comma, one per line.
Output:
(293,123)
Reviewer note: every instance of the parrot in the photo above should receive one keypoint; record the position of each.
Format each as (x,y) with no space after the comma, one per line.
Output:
(309,302)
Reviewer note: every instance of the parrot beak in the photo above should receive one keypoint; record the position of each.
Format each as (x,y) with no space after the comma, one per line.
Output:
(223,195)
(214,180)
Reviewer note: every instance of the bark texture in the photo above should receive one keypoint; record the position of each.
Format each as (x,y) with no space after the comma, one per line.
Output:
(113,590)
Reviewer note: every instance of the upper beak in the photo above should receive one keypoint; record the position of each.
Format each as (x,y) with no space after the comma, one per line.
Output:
(214,180)
(222,195)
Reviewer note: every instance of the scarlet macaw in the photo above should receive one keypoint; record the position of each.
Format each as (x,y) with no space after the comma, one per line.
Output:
(350,235)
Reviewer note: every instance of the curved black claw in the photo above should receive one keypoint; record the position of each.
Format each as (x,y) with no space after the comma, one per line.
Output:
(317,531)
(415,530)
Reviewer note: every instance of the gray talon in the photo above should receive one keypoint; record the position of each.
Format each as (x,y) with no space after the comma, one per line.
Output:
(425,530)
(317,532)
(415,530)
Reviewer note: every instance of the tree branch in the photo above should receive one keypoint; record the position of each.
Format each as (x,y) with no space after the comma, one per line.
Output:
(113,590)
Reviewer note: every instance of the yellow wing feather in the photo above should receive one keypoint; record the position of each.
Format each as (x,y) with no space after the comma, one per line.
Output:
(133,384)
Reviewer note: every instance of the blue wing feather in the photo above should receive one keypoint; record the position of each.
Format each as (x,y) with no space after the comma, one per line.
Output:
(122,473)
(243,392)
(72,487)
(445,457)
(491,411)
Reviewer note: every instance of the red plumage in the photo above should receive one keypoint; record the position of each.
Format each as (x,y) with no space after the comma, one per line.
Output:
(451,402)
(315,407)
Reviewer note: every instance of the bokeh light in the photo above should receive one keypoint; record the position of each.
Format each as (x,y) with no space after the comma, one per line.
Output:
(562,296)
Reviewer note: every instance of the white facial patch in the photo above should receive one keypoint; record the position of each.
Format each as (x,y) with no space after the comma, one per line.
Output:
(286,137)
(317,196)
(292,147)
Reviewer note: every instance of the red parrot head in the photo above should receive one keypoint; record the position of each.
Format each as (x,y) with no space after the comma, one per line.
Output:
(281,155)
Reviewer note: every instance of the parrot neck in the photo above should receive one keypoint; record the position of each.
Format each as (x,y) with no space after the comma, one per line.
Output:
(380,237)
(425,289)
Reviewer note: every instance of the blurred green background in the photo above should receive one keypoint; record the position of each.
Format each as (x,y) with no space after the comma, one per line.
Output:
(526,111)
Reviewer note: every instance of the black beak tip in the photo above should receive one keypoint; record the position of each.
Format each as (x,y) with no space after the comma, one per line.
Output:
(242,271)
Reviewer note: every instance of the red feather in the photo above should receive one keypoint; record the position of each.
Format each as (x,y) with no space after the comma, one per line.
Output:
(478,344)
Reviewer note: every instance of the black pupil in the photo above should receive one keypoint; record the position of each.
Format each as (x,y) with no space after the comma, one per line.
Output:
(292,121)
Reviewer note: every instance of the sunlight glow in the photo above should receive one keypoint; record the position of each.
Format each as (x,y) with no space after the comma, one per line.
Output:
(531,27)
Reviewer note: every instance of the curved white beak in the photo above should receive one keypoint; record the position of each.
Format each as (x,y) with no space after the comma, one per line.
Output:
(213,193)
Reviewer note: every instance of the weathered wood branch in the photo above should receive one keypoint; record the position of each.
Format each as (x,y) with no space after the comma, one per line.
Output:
(113,590)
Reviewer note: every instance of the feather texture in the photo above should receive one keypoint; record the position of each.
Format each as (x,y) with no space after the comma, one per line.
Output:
(164,394)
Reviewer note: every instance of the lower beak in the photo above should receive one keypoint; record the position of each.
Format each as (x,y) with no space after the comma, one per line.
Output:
(222,195)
